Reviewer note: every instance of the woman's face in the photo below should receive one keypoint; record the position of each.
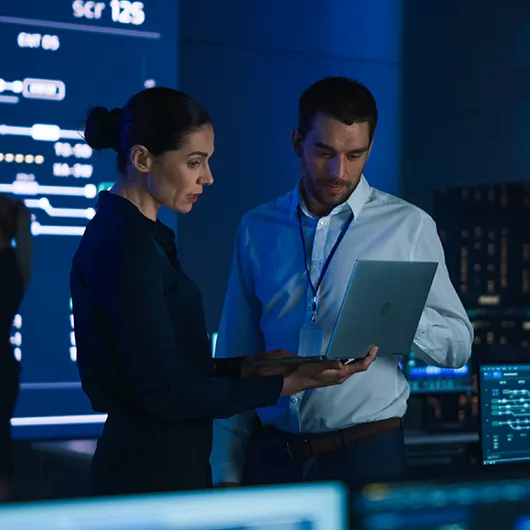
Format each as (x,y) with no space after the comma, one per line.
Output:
(176,178)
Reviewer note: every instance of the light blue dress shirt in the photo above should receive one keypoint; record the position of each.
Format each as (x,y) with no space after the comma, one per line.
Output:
(269,300)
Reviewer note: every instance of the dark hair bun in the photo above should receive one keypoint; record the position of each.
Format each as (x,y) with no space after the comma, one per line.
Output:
(102,128)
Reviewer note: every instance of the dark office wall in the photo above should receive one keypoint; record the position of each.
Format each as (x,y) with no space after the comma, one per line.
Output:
(248,62)
(465,89)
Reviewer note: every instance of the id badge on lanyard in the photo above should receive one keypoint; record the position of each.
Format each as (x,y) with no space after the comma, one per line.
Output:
(311,337)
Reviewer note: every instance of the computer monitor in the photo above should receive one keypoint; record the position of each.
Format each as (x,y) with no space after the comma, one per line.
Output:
(307,507)
(504,394)
(51,73)
(484,505)
(426,379)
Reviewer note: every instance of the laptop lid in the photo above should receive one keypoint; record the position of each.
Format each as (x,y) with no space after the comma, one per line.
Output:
(382,307)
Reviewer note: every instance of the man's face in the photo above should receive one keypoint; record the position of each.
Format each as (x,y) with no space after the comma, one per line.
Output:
(333,156)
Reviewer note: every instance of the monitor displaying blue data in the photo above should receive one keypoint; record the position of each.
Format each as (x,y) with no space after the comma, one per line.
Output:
(59,58)
(311,507)
(481,505)
(505,413)
(427,379)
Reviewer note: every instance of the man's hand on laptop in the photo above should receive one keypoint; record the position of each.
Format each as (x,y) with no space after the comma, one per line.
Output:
(323,373)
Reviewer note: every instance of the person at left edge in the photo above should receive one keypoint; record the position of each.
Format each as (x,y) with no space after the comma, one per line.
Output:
(15,272)
(142,349)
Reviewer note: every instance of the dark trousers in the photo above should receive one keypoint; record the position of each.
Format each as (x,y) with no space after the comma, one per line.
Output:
(381,458)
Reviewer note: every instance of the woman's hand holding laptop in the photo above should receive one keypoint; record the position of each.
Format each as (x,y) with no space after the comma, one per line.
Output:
(306,375)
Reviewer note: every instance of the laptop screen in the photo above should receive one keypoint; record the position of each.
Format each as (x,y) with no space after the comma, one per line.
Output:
(505,413)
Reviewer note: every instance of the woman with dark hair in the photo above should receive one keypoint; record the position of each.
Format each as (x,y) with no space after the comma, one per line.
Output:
(15,268)
(143,353)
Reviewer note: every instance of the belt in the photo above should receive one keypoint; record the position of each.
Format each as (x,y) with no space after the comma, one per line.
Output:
(310,446)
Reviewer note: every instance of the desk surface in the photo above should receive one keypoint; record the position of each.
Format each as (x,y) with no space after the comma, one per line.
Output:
(428,438)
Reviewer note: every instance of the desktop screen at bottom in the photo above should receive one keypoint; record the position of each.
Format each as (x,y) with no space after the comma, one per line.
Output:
(499,505)
(505,413)
(308,507)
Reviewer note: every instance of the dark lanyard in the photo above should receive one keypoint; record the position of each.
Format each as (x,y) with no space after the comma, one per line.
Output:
(314,288)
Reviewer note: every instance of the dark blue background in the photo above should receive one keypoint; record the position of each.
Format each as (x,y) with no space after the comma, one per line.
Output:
(248,63)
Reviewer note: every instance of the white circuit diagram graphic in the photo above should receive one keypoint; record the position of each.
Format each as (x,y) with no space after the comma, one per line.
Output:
(40,197)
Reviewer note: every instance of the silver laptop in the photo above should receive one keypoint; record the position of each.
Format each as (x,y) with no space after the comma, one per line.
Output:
(382,307)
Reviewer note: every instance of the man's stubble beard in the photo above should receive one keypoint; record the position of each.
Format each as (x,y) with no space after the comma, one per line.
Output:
(311,188)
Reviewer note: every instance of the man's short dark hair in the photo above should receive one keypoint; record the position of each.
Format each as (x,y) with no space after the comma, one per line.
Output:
(341,98)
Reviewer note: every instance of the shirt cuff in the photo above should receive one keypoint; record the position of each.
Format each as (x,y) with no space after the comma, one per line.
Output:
(263,391)
(227,472)
(423,345)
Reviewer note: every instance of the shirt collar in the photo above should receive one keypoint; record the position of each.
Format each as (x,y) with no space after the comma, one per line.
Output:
(117,204)
(355,201)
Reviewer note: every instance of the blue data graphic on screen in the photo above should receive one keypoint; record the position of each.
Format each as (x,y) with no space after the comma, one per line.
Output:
(480,505)
(505,413)
(427,379)
(59,58)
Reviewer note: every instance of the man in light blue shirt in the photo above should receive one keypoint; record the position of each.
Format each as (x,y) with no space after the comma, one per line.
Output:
(293,259)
